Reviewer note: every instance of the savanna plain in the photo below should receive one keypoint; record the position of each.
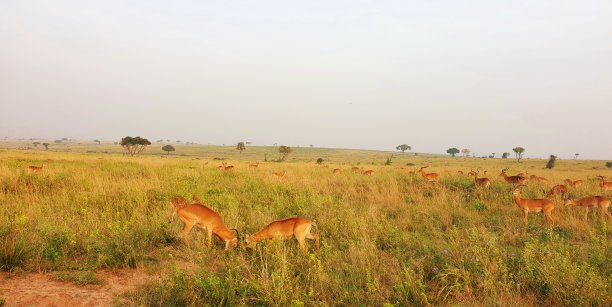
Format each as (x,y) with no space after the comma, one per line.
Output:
(387,239)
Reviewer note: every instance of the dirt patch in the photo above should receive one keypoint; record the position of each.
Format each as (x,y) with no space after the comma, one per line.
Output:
(42,290)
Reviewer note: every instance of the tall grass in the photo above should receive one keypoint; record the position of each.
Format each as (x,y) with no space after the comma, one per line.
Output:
(389,238)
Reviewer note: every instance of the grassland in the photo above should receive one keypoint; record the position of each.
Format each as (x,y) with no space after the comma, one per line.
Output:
(386,239)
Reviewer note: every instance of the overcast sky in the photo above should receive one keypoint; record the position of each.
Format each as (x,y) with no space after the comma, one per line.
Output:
(484,75)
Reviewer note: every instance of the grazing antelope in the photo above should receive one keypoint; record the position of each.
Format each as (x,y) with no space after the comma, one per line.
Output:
(278,174)
(204,217)
(284,229)
(538,178)
(356,169)
(336,171)
(514,180)
(254,165)
(35,169)
(589,202)
(481,182)
(559,189)
(574,184)
(368,172)
(535,205)
(605,185)
(429,177)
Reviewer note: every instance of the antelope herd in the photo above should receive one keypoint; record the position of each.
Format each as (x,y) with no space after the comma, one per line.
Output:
(197,214)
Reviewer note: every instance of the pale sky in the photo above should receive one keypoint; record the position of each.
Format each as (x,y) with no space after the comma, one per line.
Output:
(484,75)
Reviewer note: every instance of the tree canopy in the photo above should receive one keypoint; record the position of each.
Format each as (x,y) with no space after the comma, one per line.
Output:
(518,151)
(403,147)
(168,148)
(452,151)
(284,151)
(240,147)
(134,145)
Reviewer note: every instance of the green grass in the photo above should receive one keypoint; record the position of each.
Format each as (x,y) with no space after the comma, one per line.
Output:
(389,238)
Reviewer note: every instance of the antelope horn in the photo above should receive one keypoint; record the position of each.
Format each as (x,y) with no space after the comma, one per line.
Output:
(237,233)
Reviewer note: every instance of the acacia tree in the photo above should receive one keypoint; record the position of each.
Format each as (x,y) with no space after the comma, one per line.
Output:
(465,152)
(518,152)
(46,145)
(284,151)
(36,144)
(403,147)
(97,141)
(576,156)
(505,155)
(551,161)
(168,149)
(452,151)
(240,147)
(134,145)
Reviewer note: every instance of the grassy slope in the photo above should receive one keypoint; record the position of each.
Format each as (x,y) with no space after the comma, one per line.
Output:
(389,238)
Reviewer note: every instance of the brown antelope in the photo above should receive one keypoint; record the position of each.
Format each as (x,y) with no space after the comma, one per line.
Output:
(368,172)
(481,182)
(284,229)
(538,179)
(279,174)
(254,165)
(227,167)
(514,180)
(336,171)
(429,177)
(204,217)
(535,205)
(35,169)
(559,189)
(356,169)
(589,202)
(574,184)
(605,185)
(460,172)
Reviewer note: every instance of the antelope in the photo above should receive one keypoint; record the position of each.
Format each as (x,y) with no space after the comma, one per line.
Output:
(336,171)
(535,205)
(204,217)
(254,165)
(605,185)
(35,169)
(278,174)
(284,229)
(429,177)
(538,178)
(589,202)
(559,189)
(460,172)
(368,172)
(481,182)
(227,167)
(574,183)
(514,180)
(356,169)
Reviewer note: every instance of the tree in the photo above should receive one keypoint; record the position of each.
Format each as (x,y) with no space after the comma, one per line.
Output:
(134,145)
(284,151)
(505,155)
(403,147)
(168,149)
(36,144)
(576,156)
(551,162)
(452,151)
(97,141)
(46,145)
(518,152)
(465,152)
(320,161)
(240,147)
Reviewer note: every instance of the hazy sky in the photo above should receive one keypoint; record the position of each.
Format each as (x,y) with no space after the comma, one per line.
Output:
(484,75)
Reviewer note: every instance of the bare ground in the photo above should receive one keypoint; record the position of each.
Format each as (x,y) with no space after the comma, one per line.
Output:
(32,289)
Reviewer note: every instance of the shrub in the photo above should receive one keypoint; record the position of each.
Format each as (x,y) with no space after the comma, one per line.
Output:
(609,164)
(551,162)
